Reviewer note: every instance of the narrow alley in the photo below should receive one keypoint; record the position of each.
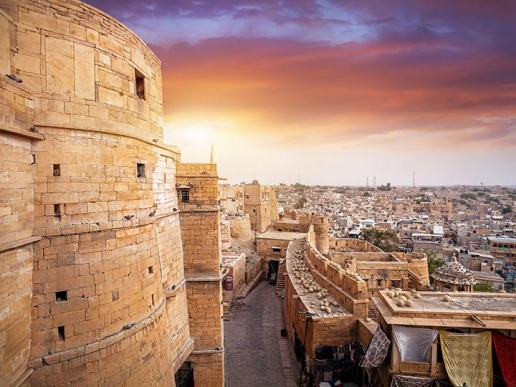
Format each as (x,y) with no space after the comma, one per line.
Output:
(255,352)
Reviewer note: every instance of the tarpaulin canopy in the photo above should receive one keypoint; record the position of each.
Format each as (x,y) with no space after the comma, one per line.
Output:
(377,350)
(414,343)
(505,348)
(468,358)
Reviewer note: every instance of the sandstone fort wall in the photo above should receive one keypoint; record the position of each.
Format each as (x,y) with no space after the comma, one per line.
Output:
(200,219)
(90,238)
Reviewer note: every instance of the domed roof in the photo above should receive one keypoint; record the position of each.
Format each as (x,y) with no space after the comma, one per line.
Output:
(454,272)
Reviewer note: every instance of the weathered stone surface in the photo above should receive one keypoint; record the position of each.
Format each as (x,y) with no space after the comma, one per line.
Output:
(90,233)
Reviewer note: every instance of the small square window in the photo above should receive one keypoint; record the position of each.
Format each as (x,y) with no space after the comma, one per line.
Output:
(62,296)
(57,210)
(151,270)
(56,170)
(140,170)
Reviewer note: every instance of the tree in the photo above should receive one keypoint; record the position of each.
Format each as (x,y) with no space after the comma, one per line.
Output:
(468,195)
(300,203)
(483,287)
(385,187)
(507,209)
(434,262)
(387,240)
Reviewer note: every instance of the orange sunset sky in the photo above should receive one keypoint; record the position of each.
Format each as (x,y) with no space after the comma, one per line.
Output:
(332,92)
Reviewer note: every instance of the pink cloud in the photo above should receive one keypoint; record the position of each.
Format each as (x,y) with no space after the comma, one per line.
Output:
(344,92)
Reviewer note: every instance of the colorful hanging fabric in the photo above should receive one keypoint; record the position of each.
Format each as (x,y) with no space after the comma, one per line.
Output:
(468,358)
(414,344)
(505,348)
(410,381)
(377,350)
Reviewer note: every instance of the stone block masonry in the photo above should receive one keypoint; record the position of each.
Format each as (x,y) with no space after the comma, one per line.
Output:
(15,312)
(261,205)
(200,219)
(95,289)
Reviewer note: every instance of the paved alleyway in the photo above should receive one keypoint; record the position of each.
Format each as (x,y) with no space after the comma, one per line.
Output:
(255,353)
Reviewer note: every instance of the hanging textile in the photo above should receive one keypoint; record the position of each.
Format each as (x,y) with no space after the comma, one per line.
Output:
(410,381)
(505,348)
(442,383)
(414,344)
(377,350)
(468,358)
(373,378)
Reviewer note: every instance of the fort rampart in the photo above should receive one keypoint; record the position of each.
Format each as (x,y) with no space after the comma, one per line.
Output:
(93,288)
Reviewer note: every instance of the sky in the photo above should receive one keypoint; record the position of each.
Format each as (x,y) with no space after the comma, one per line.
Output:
(337,92)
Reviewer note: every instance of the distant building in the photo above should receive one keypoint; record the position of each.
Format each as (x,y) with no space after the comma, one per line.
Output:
(504,249)
(261,205)
(440,208)
(453,276)
(425,241)
(231,198)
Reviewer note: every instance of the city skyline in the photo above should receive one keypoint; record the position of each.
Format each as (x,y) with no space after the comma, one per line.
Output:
(333,93)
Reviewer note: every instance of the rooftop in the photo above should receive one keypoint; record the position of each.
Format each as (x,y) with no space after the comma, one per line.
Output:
(494,310)
(502,240)
(281,235)
(454,272)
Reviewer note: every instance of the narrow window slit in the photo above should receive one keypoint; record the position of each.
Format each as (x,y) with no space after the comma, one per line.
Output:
(140,170)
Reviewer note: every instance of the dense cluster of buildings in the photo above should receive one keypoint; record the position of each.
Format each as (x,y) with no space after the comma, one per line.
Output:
(350,297)
(119,262)
(345,298)
(474,223)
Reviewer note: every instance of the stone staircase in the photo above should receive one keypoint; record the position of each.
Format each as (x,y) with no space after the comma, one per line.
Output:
(280,278)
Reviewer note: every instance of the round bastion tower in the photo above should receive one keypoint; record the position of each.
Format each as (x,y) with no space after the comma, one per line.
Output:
(91,240)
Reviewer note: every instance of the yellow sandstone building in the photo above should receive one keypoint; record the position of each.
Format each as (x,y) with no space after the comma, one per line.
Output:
(109,245)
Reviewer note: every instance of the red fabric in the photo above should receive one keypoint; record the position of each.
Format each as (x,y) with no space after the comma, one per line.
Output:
(505,348)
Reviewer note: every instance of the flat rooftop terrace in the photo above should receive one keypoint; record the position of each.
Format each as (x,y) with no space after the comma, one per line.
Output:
(280,235)
(495,310)
(230,259)
(288,220)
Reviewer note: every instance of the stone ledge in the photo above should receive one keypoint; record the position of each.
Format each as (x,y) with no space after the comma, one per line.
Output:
(207,351)
(23,377)
(18,243)
(171,290)
(204,279)
(24,133)
(105,342)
